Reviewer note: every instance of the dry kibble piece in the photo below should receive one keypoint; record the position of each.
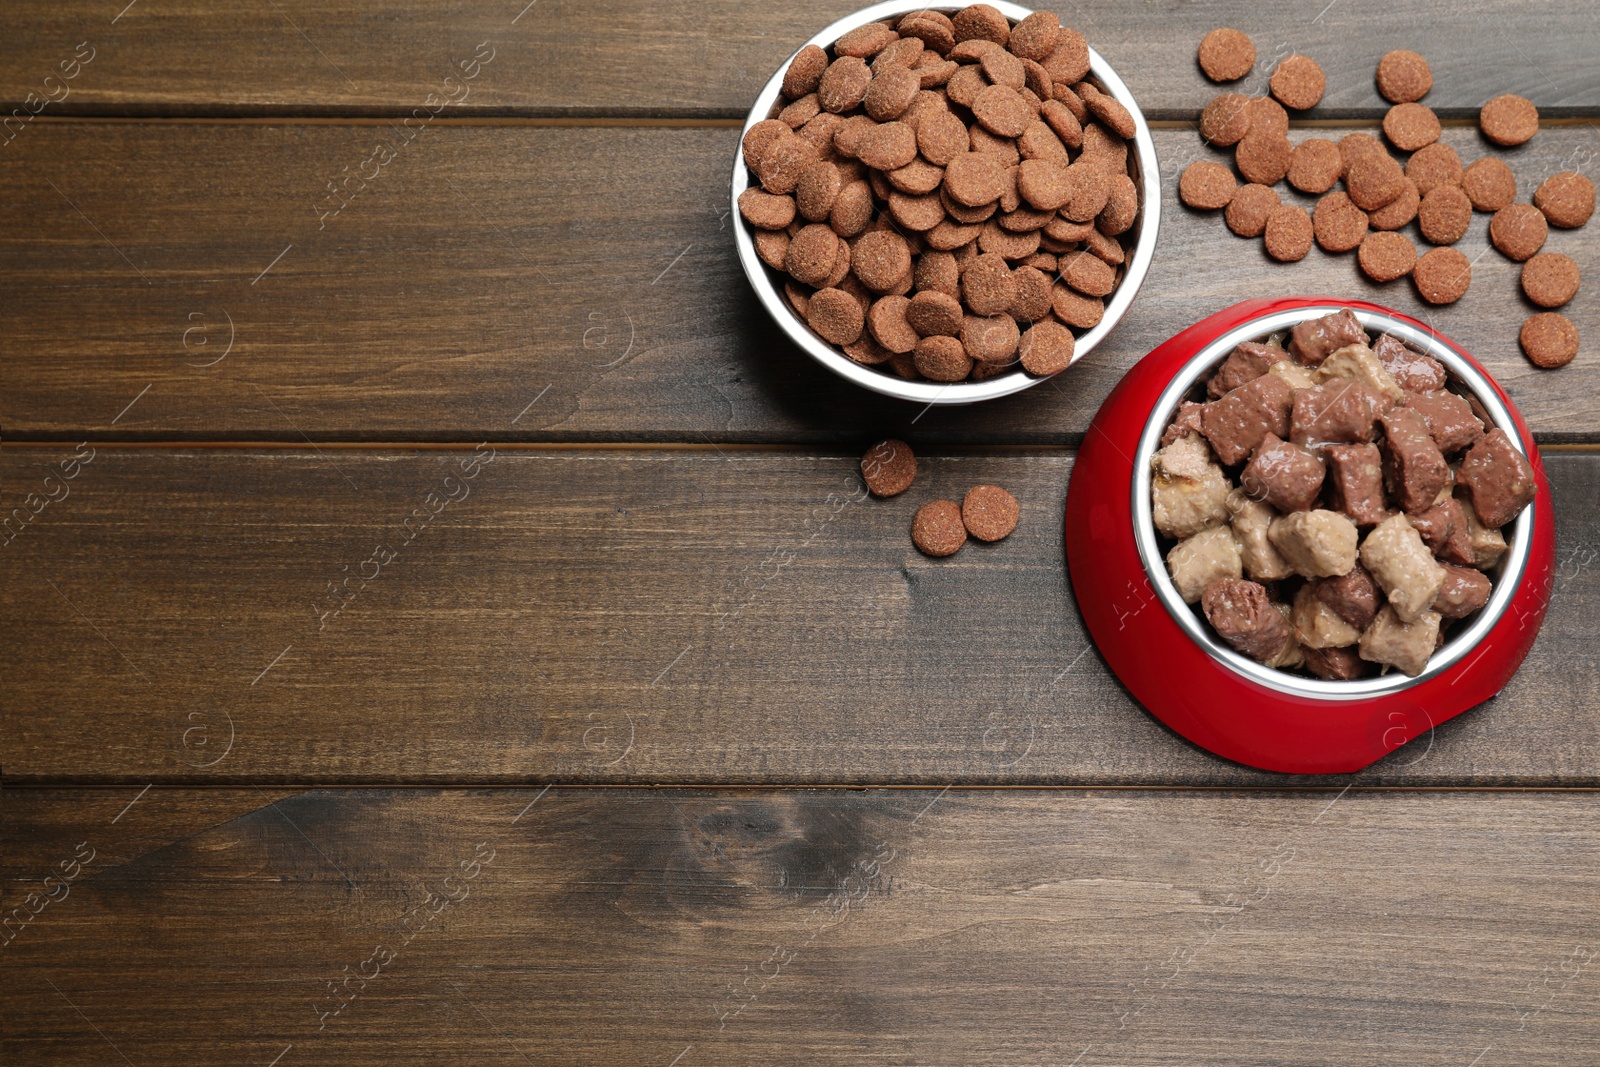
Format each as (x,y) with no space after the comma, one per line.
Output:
(865,41)
(933,28)
(937,529)
(1411,126)
(1338,225)
(812,252)
(1035,36)
(1268,116)
(1434,165)
(1403,77)
(1227,55)
(759,138)
(942,137)
(844,84)
(989,512)
(1549,339)
(975,178)
(1385,256)
(1007,244)
(867,351)
(1001,111)
(887,321)
(800,112)
(1206,186)
(1046,348)
(1489,184)
(916,213)
(1003,68)
(1251,206)
(936,272)
(1032,301)
(766,211)
(1076,309)
(1509,120)
(1226,119)
(785,159)
(805,72)
(1442,276)
(919,177)
(1373,180)
(965,85)
(818,189)
(1122,207)
(1044,183)
(1263,156)
(888,146)
(1444,215)
(1399,211)
(991,338)
(890,93)
(1518,231)
(1315,165)
(942,359)
(1550,279)
(1567,199)
(1068,64)
(934,314)
(901,52)
(1298,82)
(772,246)
(981,22)
(987,286)
(852,209)
(880,259)
(1088,274)
(1091,189)
(888,468)
(835,315)
(1109,110)
(1289,233)
(1353,146)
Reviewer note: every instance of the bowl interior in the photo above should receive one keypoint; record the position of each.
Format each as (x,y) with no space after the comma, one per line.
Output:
(1465,379)
(768,283)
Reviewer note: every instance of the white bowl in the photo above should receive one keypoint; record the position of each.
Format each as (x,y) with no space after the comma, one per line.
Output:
(769,286)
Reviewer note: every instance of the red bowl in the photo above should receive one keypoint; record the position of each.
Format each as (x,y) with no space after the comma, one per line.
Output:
(1168,657)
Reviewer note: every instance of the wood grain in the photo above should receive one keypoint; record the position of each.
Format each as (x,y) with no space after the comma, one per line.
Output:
(488,267)
(628,616)
(1015,927)
(565,58)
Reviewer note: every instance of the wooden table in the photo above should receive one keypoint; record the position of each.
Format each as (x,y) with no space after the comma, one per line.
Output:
(462,637)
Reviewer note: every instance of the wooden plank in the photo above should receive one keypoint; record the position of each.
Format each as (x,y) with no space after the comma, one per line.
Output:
(835,927)
(711,58)
(655,615)
(490,267)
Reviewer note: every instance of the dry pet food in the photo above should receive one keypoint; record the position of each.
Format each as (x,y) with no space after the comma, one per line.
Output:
(1340,527)
(949,196)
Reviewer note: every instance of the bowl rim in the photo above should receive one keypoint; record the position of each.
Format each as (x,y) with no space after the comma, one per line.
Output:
(1137,266)
(1510,570)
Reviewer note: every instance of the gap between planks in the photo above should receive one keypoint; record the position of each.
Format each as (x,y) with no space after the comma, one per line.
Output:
(825,448)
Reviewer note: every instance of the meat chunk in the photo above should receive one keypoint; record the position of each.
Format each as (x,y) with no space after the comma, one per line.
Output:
(1291,655)
(1188,491)
(1315,340)
(1317,544)
(1449,419)
(1403,567)
(1185,422)
(1339,411)
(1297,376)
(1196,562)
(1236,424)
(1413,467)
(1353,597)
(1497,478)
(1335,664)
(1411,369)
(1246,619)
(1488,544)
(1464,591)
(1405,645)
(1250,520)
(1356,363)
(1282,474)
(1443,529)
(1244,364)
(1355,482)
(1316,625)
